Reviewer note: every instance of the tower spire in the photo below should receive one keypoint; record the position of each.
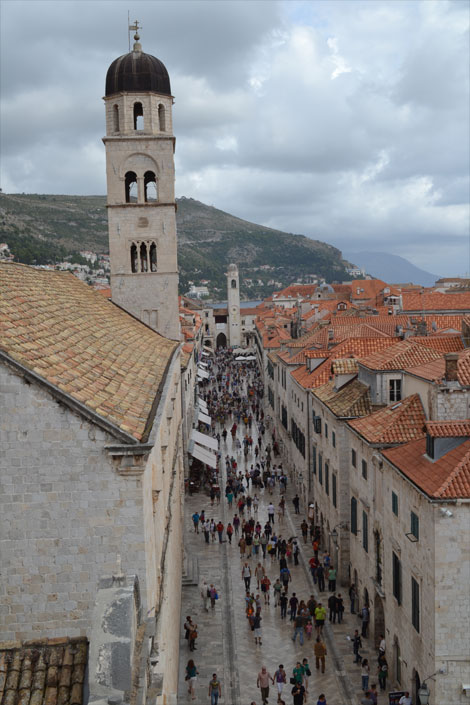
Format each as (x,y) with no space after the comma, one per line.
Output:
(135,27)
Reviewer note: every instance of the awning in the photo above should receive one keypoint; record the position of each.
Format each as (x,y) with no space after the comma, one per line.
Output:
(205,353)
(204,455)
(204,440)
(204,364)
(204,418)
(202,373)
(201,402)
(209,350)
(245,359)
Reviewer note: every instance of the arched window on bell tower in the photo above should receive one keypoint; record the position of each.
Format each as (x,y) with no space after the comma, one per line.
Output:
(234,283)
(161,117)
(138,116)
(150,184)
(116,118)
(143,257)
(131,187)
(153,257)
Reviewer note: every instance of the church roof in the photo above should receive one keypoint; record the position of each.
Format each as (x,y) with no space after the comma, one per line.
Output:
(62,330)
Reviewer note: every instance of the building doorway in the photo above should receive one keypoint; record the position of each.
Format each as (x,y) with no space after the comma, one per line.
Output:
(221,340)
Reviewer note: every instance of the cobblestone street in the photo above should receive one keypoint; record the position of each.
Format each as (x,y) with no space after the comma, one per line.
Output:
(225,643)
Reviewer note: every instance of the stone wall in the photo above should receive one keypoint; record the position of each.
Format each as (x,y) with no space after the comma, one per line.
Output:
(65,515)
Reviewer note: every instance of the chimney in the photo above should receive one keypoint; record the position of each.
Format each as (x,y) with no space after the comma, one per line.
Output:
(451,366)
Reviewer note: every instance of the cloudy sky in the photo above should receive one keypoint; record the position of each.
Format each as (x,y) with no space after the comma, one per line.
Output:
(346,121)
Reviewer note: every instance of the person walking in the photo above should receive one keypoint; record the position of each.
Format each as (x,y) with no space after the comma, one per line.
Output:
(405,699)
(298,629)
(242,546)
(195,518)
(320,616)
(246,575)
(296,503)
(298,694)
(220,531)
(357,644)
(304,530)
(265,585)
(332,606)
(283,600)
(213,595)
(322,699)
(365,616)
(293,603)
(365,670)
(259,574)
(280,678)
(262,683)
(215,689)
(332,579)
(257,627)
(191,678)
(271,511)
(307,673)
(382,673)
(192,637)
(277,589)
(229,532)
(320,652)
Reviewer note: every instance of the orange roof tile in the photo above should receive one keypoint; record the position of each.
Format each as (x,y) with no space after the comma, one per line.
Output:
(64,331)
(445,478)
(400,356)
(436,301)
(448,429)
(397,423)
(442,343)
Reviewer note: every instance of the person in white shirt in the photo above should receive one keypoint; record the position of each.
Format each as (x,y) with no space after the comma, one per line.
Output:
(271,511)
(405,699)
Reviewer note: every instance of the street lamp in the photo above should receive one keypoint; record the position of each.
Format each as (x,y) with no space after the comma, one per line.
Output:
(423,694)
(334,536)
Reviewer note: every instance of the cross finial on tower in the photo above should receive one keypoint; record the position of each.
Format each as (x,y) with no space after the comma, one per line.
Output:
(135,27)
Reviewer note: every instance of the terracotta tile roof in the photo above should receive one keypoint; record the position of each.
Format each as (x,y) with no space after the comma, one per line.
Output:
(345,366)
(463,368)
(297,359)
(355,347)
(353,399)
(67,333)
(43,672)
(398,423)
(434,371)
(445,478)
(105,292)
(436,301)
(371,289)
(448,429)
(400,356)
(442,343)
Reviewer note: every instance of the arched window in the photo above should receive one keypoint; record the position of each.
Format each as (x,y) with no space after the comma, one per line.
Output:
(234,283)
(143,257)
(138,116)
(150,184)
(134,263)
(131,187)
(161,118)
(116,118)
(153,257)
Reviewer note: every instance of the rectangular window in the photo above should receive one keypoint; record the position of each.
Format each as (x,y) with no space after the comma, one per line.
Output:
(333,439)
(396,577)
(394,393)
(354,516)
(365,532)
(415,604)
(327,478)
(314,460)
(320,469)
(414,525)
(284,417)
(395,503)
(364,470)
(353,458)
(333,480)
(326,430)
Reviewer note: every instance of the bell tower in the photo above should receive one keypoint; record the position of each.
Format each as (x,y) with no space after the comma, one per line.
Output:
(140,174)
(233,306)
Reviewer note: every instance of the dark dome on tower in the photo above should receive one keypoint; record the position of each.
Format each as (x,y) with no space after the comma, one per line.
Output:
(137,72)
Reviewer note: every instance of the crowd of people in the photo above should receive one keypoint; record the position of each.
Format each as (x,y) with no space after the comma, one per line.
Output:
(250,471)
